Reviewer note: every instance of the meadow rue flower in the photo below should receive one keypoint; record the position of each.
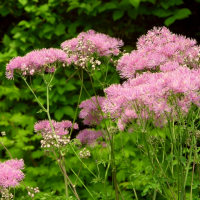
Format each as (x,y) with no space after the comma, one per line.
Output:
(153,92)
(80,50)
(91,110)
(158,50)
(61,131)
(36,61)
(89,136)
(84,153)
(10,173)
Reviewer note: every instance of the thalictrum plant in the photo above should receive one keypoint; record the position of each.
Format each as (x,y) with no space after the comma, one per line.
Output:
(156,107)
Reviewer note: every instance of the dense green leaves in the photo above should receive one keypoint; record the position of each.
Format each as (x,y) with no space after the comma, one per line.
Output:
(178,14)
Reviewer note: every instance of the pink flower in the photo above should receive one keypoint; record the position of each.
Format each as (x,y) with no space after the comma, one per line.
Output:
(158,50)
(99,43)
(153,95)
(61,128)
(91,110)
(10,173)
(89,136)
(36,61)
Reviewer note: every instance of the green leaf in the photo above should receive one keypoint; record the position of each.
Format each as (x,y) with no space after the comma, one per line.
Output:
(106,6)
(4,11)
(23,2)
(151,1)
(51,19)
(47,28)
(133,13)
(6,40)
(168,3)
(70,87)
(28,148)
(182,13)
(117,14)
(37,154)
(135,3)
(72,28)
(179,14)
(69,111)
(60,89)
(59,114)
(169,20)
(43,8)
(30,8)
(161,12)
(121,176)
(73,5)
(60,29)
(24,23)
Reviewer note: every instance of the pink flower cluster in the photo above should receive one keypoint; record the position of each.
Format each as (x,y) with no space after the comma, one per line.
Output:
(36,61)
(61,128)
(153,92)
(10,173)
(89,136)
(93,42)
(160,50)
(91,110)
(85,50)
(171,82)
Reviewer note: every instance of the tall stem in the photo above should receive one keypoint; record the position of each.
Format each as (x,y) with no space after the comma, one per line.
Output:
(65,178)
(112,149)
(34,95)
(63,166)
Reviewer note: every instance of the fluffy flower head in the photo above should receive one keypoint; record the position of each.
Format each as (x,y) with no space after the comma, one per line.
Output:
(10,173)
(158,50)
(89,136)
(61,128)
(91,110)
(35,62)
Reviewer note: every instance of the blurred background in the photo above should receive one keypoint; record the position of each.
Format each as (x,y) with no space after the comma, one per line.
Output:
(34,24)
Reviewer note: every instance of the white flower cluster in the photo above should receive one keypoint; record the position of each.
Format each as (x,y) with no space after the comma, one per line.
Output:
(83,54)
(84,153)
(51,140)
(5,194)
(31,191)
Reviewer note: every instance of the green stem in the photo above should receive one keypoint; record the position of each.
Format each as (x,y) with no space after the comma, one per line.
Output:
(82,161)
(78,173)
(81,181)
(135,193)
(192,178)
(112,149)
(44,109)
(6,150)
(154,194)
(63,171)
(154,169)
(73,75)
(187,168)
(65,178)
(79,98)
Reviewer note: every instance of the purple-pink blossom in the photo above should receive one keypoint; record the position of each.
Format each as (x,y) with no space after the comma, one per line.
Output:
(60,128)
(153,92)
(89,136)
(159,50)
(100,43)
(10,173)
(91,110)
(36,61)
